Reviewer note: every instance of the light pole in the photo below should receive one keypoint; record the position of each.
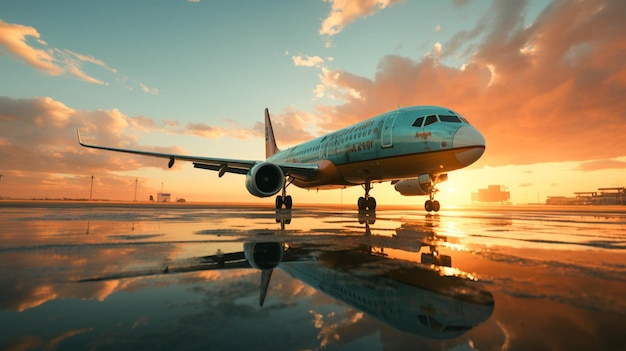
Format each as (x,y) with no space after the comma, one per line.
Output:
(1,181)
(91,189)
(136,180)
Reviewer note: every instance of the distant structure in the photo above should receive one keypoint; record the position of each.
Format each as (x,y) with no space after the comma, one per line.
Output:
(492,194)
(164,197)
(604,196)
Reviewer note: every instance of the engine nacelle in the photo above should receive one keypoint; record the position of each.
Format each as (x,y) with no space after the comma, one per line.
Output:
(264,256)
(265,179)
(419,186)
(412,187)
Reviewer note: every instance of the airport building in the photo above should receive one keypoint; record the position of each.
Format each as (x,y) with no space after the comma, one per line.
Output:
(164,197)
(604,196)
(492,194)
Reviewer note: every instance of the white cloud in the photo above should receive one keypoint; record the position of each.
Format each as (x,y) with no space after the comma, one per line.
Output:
(437,48)
(307,61)
(145,88)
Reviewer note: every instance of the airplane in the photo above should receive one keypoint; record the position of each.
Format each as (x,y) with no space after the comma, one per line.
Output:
(412,147)
(418,298)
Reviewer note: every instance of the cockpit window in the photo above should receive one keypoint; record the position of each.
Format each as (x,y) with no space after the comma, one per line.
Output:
(450,118)
(418,122)
(430,120)
(464,120)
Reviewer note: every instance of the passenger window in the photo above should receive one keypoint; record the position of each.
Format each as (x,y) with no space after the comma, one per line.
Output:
(430,120)
(418,122)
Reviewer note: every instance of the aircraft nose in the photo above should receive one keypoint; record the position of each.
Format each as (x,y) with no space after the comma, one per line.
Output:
(471,142)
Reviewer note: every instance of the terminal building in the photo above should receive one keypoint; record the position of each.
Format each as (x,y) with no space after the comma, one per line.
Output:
(604,196)
(492,194)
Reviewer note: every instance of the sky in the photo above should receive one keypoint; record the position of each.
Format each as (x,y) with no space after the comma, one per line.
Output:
(544,81)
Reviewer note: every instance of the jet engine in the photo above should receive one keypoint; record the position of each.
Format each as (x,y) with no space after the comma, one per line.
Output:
(265,179)
(420,185)
(264,255)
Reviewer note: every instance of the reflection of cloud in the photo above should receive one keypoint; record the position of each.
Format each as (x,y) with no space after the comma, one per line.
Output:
(341,327)
(537,92)
(28,342)
(30,280)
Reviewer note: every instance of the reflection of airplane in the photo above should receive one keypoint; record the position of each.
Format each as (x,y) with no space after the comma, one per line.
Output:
(409,296)
(413,147)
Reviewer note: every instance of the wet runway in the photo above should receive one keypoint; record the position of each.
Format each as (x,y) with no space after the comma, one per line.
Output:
(150,276)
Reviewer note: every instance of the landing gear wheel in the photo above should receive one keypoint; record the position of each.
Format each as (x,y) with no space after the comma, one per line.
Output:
(370,203)
(432,205)
(366,202)
(288,202)
(361,203)
(279,202)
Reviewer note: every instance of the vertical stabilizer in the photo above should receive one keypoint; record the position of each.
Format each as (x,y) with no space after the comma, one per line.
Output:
(266,275)
(270,142)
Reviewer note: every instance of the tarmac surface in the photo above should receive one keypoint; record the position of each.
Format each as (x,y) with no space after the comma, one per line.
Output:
(99,275)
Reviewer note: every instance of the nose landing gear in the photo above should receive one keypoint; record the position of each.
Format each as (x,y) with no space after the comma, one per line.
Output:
(367,202)
(431,204)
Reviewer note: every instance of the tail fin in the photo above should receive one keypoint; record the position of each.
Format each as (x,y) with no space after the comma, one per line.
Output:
(270,142)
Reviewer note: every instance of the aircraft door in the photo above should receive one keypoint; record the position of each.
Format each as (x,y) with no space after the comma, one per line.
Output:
(391,302)
(386,138)
(324,150)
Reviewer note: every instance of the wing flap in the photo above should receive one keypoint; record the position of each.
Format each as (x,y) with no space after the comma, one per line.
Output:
(222,168)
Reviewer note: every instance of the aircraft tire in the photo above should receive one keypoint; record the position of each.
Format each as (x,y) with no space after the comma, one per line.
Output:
(288,202)
(370,203)
(436,206)
(428,206)
(279,202)
(361,203)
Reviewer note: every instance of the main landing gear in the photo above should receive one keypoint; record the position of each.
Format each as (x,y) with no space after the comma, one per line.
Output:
(367,202)
(284,199)
(432,204)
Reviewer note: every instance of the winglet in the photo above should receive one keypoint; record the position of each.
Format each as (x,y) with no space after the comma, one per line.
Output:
(79,139)
(270,141)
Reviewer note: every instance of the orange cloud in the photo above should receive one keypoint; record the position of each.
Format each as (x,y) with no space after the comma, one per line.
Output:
(13,41)
(52,61)
(290,127)
(344,12)
(40,152)
(552,91)
(601,165)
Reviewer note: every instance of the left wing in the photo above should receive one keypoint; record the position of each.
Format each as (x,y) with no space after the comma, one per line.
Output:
(221,165)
